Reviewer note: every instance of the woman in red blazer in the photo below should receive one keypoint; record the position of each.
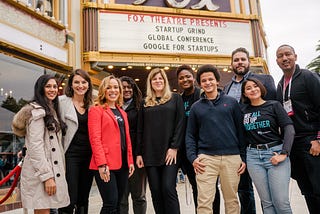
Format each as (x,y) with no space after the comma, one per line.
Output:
(111,146)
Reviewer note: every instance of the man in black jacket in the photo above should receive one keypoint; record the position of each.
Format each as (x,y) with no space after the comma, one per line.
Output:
(298,90)
(240,63)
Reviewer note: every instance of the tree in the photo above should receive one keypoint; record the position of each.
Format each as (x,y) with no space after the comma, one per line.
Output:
(314,65)
(11,104)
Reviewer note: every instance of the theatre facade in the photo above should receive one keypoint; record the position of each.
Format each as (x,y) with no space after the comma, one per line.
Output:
(120,37)
(126,37)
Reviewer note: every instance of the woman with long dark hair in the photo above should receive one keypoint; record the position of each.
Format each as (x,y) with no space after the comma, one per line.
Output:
(74,106)
(268,148)
(43,183)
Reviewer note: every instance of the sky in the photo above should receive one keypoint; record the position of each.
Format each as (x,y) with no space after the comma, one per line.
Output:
(292,22)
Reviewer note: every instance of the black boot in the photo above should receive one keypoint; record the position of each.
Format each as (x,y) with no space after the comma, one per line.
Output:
(82,210)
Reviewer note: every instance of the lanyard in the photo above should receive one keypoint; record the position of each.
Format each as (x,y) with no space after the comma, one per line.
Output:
(284,89)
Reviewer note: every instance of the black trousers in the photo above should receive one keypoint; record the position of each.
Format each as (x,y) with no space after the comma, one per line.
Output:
(246,194)
(305,169)
(111,192)
(162,183)
(79,178)
(137,188)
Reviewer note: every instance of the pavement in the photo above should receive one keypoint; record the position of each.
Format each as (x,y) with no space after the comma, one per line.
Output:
(186,202)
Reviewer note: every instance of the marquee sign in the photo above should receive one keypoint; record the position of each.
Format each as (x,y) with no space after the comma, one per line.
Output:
(212,5)
(182,4)
(171,34)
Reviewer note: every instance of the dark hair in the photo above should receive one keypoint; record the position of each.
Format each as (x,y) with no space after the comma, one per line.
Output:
(184,67)
(137,95)
(40,98)
(241,49)
(208,68)
(285,45)
(87,101)
(263,90)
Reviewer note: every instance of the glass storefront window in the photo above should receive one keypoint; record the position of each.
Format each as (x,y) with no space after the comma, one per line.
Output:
(17,79)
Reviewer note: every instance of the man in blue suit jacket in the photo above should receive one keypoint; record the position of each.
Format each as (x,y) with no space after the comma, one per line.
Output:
(240,63)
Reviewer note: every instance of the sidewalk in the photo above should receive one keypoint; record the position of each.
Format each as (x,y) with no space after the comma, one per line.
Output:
(185,195)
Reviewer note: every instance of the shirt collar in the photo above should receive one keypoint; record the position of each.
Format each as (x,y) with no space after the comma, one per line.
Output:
(244,77)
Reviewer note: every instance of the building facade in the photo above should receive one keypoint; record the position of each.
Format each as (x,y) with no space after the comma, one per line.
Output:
(126,37)
(120,37)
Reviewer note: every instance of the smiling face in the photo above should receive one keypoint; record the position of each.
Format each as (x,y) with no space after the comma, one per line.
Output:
(252,91)
(79,85)
(51,89)
(112,92)
(186,80)
(127,91)
(240,63)
(286,59)
(157,83)
(209,84)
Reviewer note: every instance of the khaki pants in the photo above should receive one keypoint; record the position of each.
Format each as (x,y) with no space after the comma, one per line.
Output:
(226,167)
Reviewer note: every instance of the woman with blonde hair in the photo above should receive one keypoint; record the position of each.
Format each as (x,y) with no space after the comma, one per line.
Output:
(112,159)
(160,133)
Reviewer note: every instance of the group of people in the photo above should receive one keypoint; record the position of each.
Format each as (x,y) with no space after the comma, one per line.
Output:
(248,132)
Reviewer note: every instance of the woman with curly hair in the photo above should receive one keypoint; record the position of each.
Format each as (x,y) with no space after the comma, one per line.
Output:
(112,159)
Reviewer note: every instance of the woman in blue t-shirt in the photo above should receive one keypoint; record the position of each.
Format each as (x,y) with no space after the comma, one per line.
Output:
(270,133)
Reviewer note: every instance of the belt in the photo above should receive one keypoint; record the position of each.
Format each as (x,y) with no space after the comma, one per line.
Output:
(265,146)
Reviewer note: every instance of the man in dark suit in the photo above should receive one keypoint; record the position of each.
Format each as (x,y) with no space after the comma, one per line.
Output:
(240,63)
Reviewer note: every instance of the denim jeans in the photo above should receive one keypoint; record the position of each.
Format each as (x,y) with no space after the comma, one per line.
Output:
(271,182)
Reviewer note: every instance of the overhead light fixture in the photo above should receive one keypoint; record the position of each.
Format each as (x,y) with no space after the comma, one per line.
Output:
(129,67)
(123,69)
(110,66)
(166,68)
(137,79)
(225,69)
(148,67)
(174,90)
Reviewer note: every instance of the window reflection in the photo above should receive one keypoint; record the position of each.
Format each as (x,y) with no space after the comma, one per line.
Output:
(17,80)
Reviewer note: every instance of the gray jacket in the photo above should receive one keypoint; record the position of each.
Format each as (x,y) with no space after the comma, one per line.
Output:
(69,116)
